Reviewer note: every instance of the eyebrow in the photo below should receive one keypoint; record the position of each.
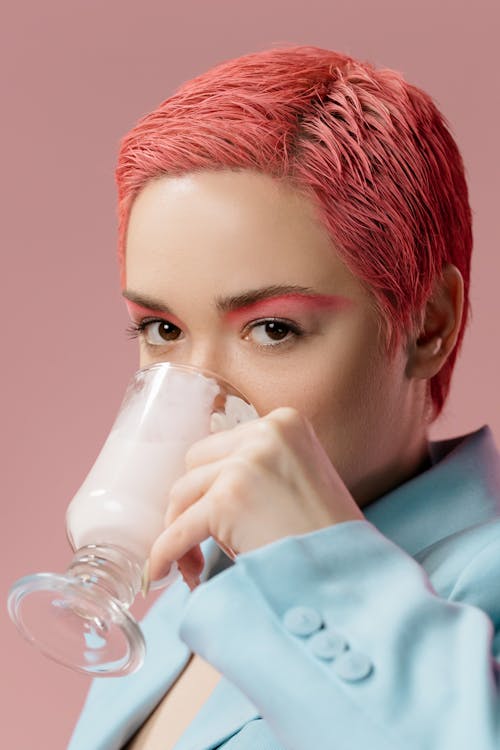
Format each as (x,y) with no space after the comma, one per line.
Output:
(227,304)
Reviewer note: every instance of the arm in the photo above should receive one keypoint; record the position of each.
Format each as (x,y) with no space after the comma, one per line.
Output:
(419,671)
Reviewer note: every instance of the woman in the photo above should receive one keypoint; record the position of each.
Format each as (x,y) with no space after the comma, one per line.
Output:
(298,222)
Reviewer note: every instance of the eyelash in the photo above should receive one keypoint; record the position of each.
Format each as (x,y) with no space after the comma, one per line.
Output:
(136,330)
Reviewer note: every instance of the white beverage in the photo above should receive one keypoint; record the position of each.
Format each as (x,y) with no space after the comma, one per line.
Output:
(124,498)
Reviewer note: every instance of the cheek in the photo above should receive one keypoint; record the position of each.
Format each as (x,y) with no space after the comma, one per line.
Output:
(361,424)
(327,385)
(348,401)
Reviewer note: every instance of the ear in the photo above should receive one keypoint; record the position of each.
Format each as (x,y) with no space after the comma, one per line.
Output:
(429,349)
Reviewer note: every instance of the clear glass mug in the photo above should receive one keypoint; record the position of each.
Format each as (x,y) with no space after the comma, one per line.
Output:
(81,618)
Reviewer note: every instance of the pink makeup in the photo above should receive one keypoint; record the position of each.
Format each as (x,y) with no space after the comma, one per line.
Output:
(288,306)
(137,312)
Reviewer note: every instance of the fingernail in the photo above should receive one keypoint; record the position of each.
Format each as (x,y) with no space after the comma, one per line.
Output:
(145,580)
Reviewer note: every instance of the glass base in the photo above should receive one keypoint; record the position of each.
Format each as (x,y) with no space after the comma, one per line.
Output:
(77,623)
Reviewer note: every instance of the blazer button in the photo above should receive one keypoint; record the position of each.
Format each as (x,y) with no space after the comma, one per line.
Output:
(352,666)
(327,644)
(302,620)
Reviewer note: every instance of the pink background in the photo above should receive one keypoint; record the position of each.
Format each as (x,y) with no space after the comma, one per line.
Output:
(76,76)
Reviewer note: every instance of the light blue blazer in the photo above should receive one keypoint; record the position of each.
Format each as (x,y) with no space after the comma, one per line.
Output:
(381,633)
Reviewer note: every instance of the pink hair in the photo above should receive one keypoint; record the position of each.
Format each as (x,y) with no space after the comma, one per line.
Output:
(372,151)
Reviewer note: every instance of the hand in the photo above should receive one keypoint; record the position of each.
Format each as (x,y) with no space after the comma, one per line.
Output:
(249,486)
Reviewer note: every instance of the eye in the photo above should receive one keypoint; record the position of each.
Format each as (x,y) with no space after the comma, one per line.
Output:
(155,332)
(270,333)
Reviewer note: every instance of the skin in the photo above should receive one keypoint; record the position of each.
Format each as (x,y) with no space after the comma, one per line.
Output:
(340,424)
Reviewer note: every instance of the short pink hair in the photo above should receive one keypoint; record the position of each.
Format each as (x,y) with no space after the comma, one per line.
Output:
(372,151)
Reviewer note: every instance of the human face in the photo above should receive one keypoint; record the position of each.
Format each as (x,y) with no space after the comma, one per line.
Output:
(204,246)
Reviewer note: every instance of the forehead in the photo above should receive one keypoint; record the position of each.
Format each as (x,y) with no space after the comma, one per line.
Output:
(230,230)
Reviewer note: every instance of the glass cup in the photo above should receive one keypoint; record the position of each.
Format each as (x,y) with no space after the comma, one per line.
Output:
(81,619)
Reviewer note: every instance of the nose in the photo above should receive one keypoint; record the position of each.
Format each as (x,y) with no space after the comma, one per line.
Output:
(204,357)
(210,357)
(218,362)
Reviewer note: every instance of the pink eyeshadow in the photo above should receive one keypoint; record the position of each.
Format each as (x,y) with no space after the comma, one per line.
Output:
(288,305)
(137,312)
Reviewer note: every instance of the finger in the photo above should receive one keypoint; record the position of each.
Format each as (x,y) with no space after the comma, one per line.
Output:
(191,565)
(179,537)
(189,488)
(218,445)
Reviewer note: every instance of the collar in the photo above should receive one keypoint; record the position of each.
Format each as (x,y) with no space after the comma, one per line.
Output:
(460,489)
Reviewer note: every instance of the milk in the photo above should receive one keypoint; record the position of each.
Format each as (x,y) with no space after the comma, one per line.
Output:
(124,498)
